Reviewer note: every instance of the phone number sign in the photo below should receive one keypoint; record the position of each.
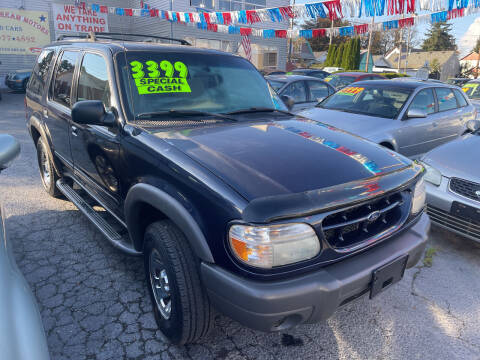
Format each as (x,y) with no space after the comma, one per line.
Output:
(23,32)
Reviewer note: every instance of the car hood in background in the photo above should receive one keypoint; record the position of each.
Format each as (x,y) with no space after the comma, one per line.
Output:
(359,124)
(458,158)
(267,158)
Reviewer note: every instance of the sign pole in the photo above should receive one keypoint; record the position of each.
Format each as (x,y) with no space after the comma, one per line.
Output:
(370,37)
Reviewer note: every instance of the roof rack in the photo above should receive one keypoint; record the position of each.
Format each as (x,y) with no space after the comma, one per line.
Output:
(93,36)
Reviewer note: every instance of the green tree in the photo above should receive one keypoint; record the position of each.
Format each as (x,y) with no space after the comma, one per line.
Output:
(346,57)
(357,53)
(435,69)
(476,48)
(322,43)
(331,56)
(338,56)
(439,38)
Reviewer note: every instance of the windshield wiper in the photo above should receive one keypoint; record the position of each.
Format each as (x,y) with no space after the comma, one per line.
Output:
(160,114)
(259,109)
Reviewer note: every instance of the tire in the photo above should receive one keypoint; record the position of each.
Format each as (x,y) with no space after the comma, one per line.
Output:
(167,253)
(47,172)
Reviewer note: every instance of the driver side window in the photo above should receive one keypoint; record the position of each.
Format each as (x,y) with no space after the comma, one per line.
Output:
(424,101)
(93,80)
(297,91)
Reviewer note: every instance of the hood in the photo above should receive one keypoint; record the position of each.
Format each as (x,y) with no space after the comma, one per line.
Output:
(267,158)
(363,125)
(23,71)
(458,158)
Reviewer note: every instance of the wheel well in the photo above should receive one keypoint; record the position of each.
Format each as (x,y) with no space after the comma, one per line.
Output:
(35,134)
(387,145)
(147,214)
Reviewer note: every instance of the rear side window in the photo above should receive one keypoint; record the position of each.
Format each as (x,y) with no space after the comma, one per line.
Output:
(318,90)
(460,98)
(93,80)
(297,91)
(40,72)
(62,87)
(446,99)
(424,101)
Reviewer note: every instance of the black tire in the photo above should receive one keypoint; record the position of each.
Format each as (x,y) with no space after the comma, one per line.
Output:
(45,165)
(191,315)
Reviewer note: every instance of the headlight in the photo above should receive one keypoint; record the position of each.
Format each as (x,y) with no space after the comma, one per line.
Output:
(269,246)
(419,195)
(432,175)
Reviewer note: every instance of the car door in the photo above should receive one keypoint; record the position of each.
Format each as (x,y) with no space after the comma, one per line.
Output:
(448,122)
(415,135)
(317,91)
(95,148)
(57,113)
(298,92)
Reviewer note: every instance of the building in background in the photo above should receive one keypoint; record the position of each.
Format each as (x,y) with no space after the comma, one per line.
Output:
(268,54)
(470,64)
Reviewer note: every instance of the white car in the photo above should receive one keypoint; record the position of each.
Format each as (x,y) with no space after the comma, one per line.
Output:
(332,69)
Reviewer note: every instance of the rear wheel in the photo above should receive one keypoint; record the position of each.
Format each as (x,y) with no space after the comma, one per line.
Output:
(47,172)
(180,303)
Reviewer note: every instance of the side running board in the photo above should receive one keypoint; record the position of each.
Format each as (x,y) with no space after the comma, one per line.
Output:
(105,228)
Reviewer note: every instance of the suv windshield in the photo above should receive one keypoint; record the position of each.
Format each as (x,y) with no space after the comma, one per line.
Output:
(368,100)
(472,90)
(166,81)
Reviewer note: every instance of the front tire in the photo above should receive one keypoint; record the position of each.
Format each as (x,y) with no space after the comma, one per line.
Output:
(47,172)
(180,303)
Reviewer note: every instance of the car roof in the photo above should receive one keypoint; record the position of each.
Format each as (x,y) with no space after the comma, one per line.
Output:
(475,81)
(290,78)
(307,70)
(354,74)
(406,84)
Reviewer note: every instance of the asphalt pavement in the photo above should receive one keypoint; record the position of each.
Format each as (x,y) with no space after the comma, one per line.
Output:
(94,302)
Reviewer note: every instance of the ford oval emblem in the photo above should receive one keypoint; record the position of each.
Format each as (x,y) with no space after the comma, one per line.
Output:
(373,216)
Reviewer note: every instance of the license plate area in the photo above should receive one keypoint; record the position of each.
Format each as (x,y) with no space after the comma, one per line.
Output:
(465,211)
(387,275)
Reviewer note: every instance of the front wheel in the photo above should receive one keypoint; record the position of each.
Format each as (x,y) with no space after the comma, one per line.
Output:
(180,303)
(47,172)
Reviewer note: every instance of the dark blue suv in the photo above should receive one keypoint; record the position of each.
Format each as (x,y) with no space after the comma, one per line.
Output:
(233,202)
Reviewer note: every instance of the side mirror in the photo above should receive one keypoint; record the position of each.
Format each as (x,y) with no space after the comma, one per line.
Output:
(92,112)
(416,113)
(9,150)
(473,126)
(288,100)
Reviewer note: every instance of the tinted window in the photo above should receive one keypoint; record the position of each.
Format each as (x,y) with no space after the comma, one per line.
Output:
(62,87)
(446,99)
(318,90)
(297,91)
(460,98)
(424,101)
(40,72)
(93,80)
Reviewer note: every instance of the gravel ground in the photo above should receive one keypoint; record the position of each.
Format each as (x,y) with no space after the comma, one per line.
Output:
(94,304)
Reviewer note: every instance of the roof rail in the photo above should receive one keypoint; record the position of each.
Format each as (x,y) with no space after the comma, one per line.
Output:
(93,36)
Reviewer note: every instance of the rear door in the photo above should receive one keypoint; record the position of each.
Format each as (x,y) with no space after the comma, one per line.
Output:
(298,92)
(57,113)
(95,149)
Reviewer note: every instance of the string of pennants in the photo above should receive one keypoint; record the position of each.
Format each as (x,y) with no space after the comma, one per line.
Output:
(224,22)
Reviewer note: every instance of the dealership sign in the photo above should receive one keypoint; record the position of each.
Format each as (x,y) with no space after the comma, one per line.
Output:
(78,19)
(23,32)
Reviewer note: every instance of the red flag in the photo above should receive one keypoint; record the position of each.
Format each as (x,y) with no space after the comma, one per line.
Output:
(247,46)
(281,33)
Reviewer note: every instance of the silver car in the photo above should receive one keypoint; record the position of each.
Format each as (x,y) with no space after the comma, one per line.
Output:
(22,336)
(453,184)
(410,117)
(304,91)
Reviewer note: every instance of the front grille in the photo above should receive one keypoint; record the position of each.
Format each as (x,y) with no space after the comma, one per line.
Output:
(350,229)
(463,226)
(465,188)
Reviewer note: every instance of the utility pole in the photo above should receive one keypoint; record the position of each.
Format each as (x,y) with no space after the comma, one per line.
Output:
(401,40)
(331,32)
(408,49)
(370,37)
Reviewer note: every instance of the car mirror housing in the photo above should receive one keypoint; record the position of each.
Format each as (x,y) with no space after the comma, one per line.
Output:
(92,112)
(9,150)
(416,113)
(289,102)
(473,126)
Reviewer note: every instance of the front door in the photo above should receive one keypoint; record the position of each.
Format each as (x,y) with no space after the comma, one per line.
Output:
(95,149)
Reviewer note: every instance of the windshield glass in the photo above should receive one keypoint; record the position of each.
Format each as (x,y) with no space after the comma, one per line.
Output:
(275,84)
(472,90)
(185,81)
(368,100)
(339,80)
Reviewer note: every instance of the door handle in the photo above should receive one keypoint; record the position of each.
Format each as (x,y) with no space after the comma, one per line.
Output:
(45,113)
(74,131)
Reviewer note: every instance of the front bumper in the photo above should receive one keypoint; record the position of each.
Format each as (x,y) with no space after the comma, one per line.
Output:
(14,84)
(310,298)
(439,204)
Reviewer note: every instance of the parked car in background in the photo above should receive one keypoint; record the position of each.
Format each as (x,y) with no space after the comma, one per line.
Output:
(410,117)
(316,73)
(305,91)
(453,184)
(340,80)
(18,80)
(457,81)
(472,90)
(332,69)
(22,336)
